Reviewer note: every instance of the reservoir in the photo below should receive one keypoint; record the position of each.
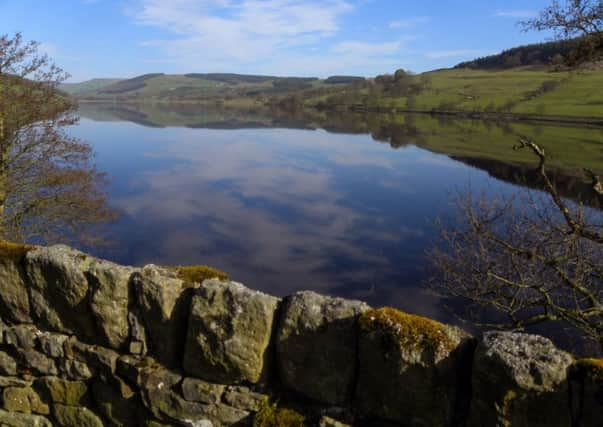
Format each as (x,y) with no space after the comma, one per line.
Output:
(346,205)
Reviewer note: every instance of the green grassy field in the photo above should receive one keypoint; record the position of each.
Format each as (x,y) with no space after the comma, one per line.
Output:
(519,91)
(580,94)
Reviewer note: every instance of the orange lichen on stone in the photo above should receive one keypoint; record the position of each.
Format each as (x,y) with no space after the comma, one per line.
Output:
(271,415)
(199,273)
(14,251)
(408,329)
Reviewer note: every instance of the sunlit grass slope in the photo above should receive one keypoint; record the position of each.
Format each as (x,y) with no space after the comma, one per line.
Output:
(520,91)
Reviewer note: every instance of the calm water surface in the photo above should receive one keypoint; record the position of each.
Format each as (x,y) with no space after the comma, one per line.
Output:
(281,209)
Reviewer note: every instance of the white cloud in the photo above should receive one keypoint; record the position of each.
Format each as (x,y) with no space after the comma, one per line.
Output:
(517,14)
(253,18)
(409,22)
(260,36)
(214,33)
(454,53)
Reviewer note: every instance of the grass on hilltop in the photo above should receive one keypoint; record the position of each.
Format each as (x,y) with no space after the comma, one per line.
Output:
(535,91)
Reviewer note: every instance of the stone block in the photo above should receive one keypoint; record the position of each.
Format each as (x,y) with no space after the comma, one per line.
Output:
(519,380)
(229,331)
(316,346)
(412,370)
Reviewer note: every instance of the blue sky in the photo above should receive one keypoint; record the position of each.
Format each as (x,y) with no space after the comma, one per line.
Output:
(124,38)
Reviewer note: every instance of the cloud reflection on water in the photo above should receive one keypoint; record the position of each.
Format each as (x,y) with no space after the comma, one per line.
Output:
(280,209)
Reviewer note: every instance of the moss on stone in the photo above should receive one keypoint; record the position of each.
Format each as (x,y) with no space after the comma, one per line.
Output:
(14,251)
(199,273)
(592,367)
(58,390)
(408,329)
(75,416)
(23,399)
(271,415)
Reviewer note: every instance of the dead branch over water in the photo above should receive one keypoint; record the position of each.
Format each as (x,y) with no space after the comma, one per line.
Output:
(527,259)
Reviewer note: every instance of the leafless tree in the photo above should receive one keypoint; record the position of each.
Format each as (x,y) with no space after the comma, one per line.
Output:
(573,18)
(570,18)
(527,261)
(50,189)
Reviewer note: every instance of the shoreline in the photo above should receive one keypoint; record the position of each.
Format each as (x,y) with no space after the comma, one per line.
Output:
(590,122)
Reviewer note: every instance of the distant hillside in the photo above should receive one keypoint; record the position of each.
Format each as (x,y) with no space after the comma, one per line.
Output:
(201,86)
(520,91)
(231,78)
(129,85)
(88,86)
(528,55)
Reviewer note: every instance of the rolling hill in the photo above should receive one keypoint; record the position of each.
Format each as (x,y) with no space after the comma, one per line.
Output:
(197,86)
(89,86)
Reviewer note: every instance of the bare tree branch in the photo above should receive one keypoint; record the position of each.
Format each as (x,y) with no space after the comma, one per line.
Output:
(50,189)
(526,261)
(573,18)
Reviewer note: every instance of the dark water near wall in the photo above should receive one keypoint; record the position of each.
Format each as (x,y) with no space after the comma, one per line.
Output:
(282,204)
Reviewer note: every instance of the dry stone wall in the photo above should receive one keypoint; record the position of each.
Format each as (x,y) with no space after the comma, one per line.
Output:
(85,342)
